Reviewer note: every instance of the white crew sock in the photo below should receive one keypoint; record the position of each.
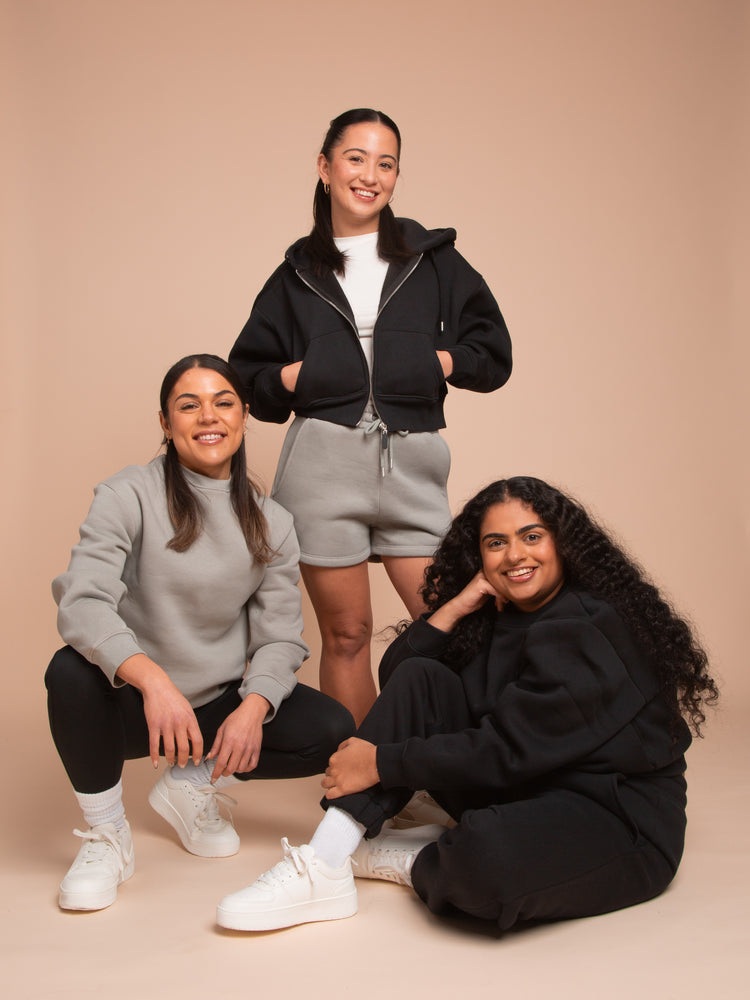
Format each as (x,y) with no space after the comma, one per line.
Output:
(200,774)
(103,807)
(337,837)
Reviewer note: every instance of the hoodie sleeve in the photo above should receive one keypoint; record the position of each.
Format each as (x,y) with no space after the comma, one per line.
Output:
(477,337)
(573,694)
(262,349)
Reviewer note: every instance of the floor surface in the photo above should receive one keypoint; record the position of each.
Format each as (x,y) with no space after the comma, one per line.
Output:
(160,940)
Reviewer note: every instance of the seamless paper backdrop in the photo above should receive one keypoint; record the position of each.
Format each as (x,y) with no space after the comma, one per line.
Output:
(593,157)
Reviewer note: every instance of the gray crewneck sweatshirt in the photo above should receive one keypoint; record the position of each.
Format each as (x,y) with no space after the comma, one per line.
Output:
(207,615)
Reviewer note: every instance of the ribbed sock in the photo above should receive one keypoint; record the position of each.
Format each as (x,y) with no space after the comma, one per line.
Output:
(337,837)
(103,807)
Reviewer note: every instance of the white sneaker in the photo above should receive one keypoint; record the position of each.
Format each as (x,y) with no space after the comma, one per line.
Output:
(391,854)
(193,811)
(421,810)
(106,859)
(299,889)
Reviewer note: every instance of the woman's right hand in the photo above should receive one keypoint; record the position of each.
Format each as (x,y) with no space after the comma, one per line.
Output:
(470,599)
(169,715)
(289,376)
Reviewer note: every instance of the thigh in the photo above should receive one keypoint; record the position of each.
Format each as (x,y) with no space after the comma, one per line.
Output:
(407,576)
(556,855)
(340,596)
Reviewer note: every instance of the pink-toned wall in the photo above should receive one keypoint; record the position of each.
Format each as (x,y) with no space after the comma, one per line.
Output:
(593,155)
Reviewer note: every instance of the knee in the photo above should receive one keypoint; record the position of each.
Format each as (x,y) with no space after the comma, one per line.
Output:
(346,638)
(69,672)
(417,671)
(334,726)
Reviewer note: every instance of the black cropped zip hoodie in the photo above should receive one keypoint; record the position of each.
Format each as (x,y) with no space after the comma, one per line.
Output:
(436,301)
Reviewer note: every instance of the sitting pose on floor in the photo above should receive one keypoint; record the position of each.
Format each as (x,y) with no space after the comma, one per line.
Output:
(182,614)
(544,700)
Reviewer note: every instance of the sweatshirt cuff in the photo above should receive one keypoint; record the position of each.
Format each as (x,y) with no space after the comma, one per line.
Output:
(270,689)
(388,760)
(426,640)
(112,653)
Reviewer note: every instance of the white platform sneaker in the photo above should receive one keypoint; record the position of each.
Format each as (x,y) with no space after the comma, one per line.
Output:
(298,890)
(391,854)
(193,811)
(106,859)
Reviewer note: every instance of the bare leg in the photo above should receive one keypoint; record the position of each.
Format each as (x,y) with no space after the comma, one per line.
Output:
(341,599)
(407,576)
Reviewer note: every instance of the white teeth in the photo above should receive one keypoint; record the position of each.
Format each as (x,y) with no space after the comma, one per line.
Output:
(209,437)
(364,194)
(524,571)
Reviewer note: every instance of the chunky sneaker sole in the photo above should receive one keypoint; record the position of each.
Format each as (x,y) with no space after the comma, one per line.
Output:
(106,860)
(300,889)
(192,811)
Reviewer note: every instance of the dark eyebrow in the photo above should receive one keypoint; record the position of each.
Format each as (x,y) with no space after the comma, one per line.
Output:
(382,156)
(193,395)
(521,531)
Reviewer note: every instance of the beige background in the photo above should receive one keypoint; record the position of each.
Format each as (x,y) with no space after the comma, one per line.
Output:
(593,155)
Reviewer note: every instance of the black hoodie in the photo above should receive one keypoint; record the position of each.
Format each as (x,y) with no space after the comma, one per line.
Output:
(436,301)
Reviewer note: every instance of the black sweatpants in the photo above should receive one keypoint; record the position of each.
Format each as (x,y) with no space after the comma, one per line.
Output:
(552,854)
(97,727)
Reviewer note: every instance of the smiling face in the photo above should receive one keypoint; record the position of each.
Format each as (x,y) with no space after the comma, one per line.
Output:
(519,556)
(362,173)
(206,420)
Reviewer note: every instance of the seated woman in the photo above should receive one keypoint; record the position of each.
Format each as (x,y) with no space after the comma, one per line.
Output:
(544,701)
(182,613)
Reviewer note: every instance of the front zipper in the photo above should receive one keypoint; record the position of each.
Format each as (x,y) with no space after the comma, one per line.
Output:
(353,325)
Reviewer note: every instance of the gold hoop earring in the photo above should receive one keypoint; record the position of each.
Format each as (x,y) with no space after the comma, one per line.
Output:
(327,188)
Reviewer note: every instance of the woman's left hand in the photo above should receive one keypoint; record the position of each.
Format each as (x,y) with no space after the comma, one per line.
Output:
(239,738)
(351,769)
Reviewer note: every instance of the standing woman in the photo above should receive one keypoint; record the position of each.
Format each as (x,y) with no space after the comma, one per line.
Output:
(358,332)
(182,615)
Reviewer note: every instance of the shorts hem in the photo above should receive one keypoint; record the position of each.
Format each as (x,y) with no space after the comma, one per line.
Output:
(403,552)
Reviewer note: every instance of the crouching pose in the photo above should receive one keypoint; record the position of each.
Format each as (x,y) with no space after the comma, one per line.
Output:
(182,614)
(545,700)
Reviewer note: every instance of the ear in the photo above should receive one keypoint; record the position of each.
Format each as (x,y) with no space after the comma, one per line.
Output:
(164,424)
(247,413)
(323,169)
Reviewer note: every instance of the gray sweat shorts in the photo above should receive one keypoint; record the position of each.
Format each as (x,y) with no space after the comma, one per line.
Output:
(352,500)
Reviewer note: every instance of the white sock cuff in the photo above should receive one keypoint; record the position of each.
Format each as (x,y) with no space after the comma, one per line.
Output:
(337,837)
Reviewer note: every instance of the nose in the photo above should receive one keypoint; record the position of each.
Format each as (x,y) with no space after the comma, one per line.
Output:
(207,414)
(368,173)
(516,550)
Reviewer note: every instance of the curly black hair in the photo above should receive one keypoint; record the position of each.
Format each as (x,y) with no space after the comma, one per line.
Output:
(592,562)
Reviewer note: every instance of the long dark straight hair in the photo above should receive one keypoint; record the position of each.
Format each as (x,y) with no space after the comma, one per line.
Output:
(185,508)
(323,253)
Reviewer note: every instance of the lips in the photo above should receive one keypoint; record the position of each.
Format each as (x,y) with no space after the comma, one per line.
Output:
(210,438)
(365,195)
(521,574)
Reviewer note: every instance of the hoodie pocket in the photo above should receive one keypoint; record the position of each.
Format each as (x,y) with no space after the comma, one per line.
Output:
(333,370)
(406,366)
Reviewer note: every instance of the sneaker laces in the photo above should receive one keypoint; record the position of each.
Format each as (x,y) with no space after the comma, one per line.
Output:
(209,817)
(391,864)
(98,845)
(296,861)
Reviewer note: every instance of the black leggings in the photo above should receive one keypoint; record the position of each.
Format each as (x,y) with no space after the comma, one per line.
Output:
(554,853)
(97,727)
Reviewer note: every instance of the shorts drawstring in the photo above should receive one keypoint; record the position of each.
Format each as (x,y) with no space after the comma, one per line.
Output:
(371,423)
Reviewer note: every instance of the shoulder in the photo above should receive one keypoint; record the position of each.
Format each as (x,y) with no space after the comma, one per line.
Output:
(135,480)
